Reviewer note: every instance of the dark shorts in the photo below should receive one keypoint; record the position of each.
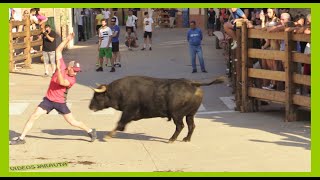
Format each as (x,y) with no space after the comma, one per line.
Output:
(132,29)
(146,34)
(210,25)
(115,46)
(98,27)
(48,105)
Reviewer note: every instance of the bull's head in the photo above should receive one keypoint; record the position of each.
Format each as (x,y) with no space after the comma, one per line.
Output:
(100,98)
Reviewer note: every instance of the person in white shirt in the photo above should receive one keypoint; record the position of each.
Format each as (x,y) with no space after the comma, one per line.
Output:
(80,27)
(147,22)
(105,45)
(106,14)
(131,23)
(17,16)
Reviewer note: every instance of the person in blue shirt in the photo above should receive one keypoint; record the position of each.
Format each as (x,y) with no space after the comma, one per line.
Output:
(230,27)
(115,44)
(194,38)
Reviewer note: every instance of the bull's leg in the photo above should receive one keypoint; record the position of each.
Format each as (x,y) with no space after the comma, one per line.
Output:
(124,120)
(191,127)
(179,126)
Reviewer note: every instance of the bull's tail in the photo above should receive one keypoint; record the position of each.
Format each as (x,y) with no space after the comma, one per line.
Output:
(216,81)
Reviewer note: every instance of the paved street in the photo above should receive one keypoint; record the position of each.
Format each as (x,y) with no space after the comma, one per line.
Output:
(224,140)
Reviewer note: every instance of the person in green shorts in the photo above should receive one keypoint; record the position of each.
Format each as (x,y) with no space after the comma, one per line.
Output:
(105,45)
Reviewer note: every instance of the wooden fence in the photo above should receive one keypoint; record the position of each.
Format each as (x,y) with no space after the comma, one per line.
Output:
(247,96)
(26,44)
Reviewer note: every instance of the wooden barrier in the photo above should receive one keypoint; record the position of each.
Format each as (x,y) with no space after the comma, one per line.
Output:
(26,45)
(289,58)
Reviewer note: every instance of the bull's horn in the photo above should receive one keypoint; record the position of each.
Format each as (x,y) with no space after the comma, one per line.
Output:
(98,84)
(103,89)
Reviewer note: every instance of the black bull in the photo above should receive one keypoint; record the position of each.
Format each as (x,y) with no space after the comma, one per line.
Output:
(140,97)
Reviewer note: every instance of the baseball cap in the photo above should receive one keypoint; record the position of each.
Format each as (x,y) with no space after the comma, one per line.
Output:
(75,66)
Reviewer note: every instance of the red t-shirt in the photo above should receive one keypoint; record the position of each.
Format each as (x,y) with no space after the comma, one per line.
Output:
(56,92)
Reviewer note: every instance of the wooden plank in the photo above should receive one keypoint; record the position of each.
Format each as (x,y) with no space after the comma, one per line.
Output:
(27,62)
(11,61)
(19,34)
(266,54)
(266,74)
(20,57)
(301,58)
(277,96)
(36,43)
(302,79)
(261,34)
(19,45)
(301,37)
(17,23)
(304,101)
(35,32)
(291,114)
(37,54)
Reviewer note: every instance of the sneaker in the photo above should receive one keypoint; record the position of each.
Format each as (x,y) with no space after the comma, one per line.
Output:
(112,69)
(150,49)
(93,135)
(270,87)
(99,69)
(204,71)
(17,141)
(143,49)
(194,71)
(234,45)
(119,64)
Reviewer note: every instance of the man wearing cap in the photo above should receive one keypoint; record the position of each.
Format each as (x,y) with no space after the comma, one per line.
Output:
(62,80)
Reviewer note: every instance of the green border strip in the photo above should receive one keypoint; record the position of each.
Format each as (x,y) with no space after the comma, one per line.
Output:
(4,110)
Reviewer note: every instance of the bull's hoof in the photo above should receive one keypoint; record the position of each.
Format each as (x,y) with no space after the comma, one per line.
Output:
(107,137)
(186,139)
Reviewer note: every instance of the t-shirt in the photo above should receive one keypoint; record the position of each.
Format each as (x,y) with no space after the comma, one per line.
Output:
(106,14)
(131,21)
(47,44)
(105,34)
(194,36)
(238,14)
(99,17)
(115,29)
(172,12)
(211,17)
(56,92)
(80,20)
(117,21)
(148,24)
(17,14)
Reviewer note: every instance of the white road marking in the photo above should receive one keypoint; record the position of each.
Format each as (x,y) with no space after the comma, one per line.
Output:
(228,101)
(202,108)
(214,112)
(17,108)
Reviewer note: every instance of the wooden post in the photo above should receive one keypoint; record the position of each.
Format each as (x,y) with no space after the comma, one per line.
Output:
(244,60)
(291,109)
(11,62)
(27,62)
(237,72)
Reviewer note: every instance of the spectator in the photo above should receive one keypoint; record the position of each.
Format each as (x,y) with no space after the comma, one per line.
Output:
(106,13)
(211,21)
(17,16)
(147,22)
(105,45)
(115,15)
(130,39)
(48,51)
(34,25)
(41,18)
(131,22)
(115,42)
(80,27)
(98,21)
(230,27)
(194,38)
(172,16)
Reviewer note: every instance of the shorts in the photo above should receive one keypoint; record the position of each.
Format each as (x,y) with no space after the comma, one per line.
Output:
(147,34)
(129,27)
(48,105)
(115,46)
(49,57)
(98,27)
(105,52)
